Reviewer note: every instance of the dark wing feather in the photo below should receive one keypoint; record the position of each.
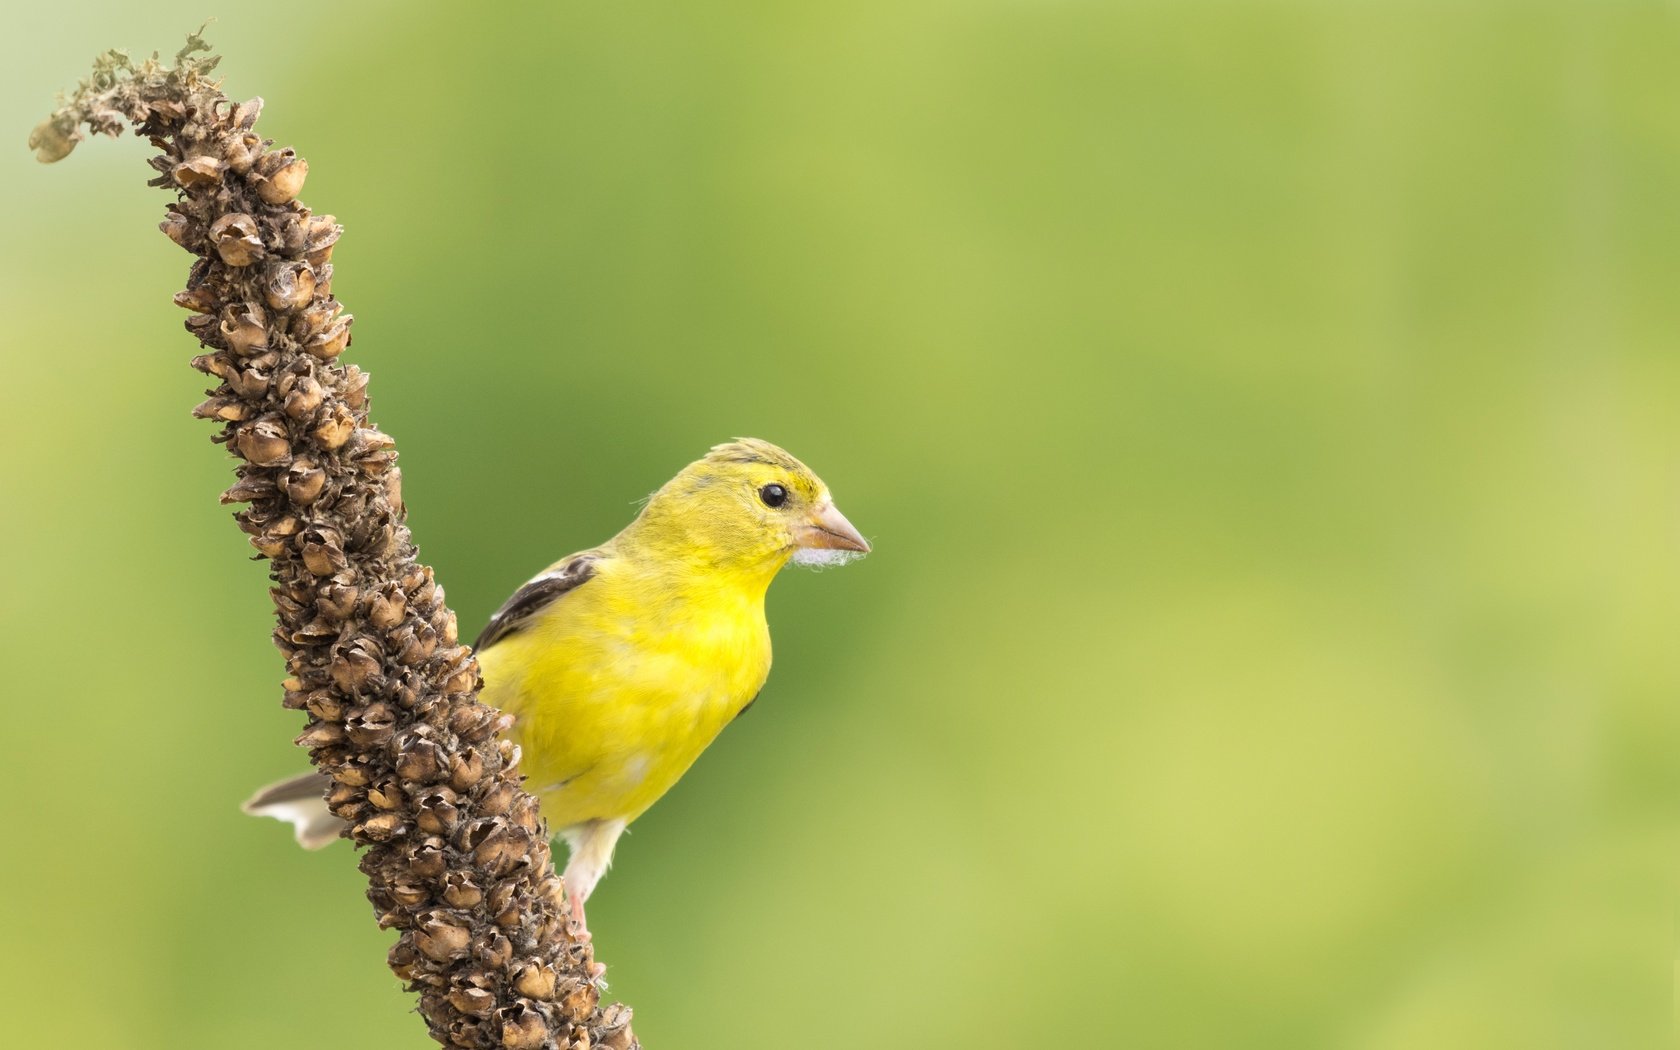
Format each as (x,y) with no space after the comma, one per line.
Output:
(536,596)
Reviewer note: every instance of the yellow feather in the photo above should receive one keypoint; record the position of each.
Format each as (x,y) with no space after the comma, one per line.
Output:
(617,687)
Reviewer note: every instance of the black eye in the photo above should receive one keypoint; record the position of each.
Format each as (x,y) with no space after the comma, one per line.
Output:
(773,495)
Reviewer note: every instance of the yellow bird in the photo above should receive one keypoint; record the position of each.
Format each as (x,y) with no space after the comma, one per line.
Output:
(622,663)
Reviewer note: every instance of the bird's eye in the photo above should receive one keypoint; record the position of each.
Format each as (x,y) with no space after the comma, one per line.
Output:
(773,495)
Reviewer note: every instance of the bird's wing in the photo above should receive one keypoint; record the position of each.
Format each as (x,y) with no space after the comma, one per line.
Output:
(536,596)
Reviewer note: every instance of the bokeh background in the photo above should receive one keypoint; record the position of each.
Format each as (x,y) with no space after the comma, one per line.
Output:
(1264,414)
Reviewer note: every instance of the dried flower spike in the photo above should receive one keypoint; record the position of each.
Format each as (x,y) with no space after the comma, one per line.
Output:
(456,857)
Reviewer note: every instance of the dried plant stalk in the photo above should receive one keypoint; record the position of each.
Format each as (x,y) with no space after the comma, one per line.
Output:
(456,854)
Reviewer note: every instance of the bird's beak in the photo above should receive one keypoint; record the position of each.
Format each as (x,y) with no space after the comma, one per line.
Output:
(828,529)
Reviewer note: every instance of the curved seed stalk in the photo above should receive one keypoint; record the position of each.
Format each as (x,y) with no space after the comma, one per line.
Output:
(456,855)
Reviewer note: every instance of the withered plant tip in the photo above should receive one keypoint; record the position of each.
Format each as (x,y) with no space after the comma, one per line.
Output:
(456,855)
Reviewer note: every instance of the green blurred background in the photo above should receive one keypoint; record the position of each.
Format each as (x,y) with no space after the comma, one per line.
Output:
(1264,414)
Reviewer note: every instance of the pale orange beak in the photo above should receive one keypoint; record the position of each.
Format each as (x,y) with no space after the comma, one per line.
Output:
(827,529)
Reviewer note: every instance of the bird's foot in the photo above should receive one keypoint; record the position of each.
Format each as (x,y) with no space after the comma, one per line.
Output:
(581,933)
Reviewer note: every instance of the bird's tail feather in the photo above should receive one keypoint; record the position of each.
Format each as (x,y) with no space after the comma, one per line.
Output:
(301,801)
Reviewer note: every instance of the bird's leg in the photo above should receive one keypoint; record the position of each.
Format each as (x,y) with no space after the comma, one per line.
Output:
(591,849)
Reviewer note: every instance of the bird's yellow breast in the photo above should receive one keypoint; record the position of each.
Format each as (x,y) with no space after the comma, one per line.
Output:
(619,685)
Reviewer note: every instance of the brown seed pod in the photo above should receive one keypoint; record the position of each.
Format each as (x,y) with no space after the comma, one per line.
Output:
(198,173)
(353,387)
(381,827)
(474,1002)
(270,546)
(354,775)
(469,721)
(235,239)
(535,980)
(460,891)
(245,115)
(243,328)
(199,300)
(525,811)
(334,428)
(522,1027)
(179,228)
(212,364)
(410,894)
(242,151)
(229,409)
(579,1000)
(315,632)
(264,442)
(331,342)
(288,285)
(494,951)
(502,851)
(252,486)
(267,357)
(304,482)
(419,760)
(387,608)
(404,959)
(337,600)
(439,939)
(464,1031)
(498,799)
(429,860)
(554,891)
(388,794)
(438,812)
(446,624)
(202,327)
(344,799)
(249,383)
(324,232)
(330,707)
(279,176)
(466,769)
(415,645)
(353,667)
(316,317)
(612,1031)
(304,398)
(372,726)
(321,734)
(322,549)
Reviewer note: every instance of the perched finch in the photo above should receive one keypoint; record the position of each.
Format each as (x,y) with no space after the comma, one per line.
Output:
(622,663)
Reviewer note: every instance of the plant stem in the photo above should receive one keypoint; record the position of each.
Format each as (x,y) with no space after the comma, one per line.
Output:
(456,854)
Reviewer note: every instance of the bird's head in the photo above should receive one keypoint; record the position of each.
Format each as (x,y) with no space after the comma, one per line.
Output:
(749,506)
